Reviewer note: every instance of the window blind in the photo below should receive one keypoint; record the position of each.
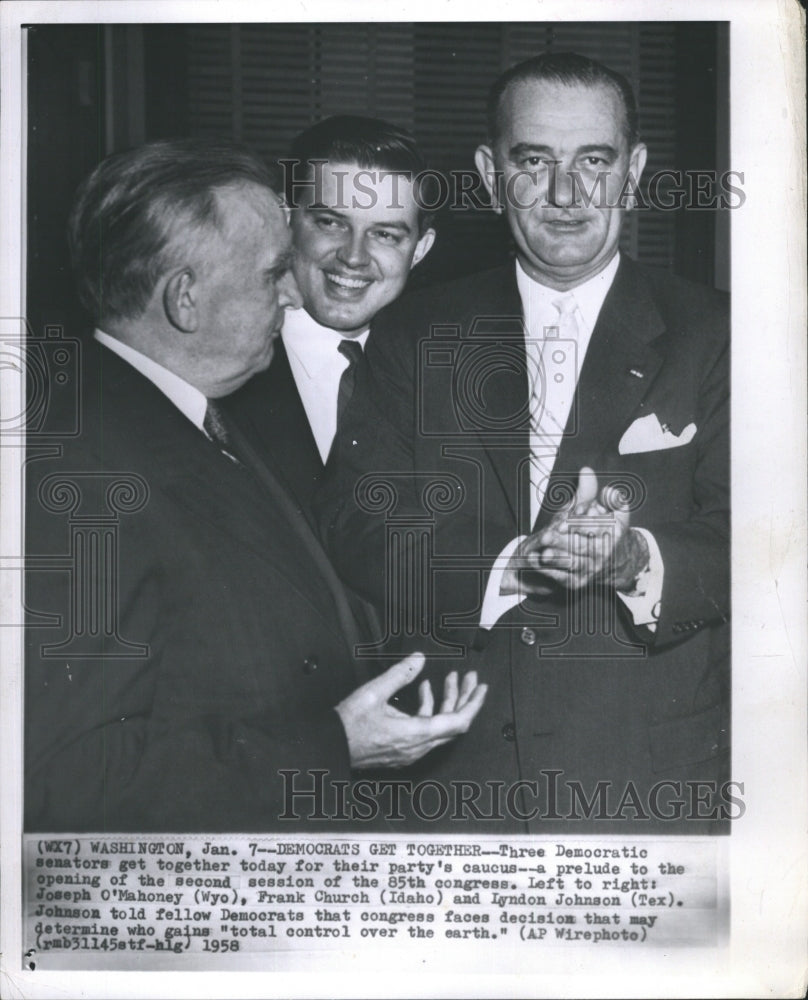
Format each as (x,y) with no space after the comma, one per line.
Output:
(263,83)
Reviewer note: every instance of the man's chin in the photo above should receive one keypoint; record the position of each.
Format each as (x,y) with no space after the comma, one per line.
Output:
(344,321)
(264,361)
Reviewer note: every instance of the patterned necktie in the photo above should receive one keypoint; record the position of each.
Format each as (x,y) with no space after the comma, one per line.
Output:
(215,426)
(352,350)
(554,379)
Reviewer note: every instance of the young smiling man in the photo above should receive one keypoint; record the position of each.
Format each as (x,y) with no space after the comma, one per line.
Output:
(358,229)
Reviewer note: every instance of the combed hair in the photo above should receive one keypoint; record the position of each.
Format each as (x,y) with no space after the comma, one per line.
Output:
(370,143)
(126,213)
(570,69)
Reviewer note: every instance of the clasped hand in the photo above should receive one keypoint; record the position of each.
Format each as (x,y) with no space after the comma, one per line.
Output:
(590,540)
(379,735)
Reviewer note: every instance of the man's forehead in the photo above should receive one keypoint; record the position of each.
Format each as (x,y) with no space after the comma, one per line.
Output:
(248,197)
(569,108)
(373,191)
(251,204)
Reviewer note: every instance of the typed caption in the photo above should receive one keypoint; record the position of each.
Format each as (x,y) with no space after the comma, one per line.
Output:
(129,902)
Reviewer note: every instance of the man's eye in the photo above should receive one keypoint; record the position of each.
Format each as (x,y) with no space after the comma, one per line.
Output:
(535,161)
(324,222)
(385,236)
(595,161)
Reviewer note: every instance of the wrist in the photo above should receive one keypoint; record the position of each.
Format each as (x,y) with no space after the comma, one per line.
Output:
(632,565)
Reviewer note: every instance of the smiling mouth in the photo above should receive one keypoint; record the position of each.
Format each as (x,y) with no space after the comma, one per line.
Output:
(566,223)
(350,284)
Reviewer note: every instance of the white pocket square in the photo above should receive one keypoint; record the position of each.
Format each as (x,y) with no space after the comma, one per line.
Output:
(648,434)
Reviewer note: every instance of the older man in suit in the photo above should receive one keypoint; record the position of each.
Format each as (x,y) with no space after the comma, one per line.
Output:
(199,643)
(575,406)
(358,229)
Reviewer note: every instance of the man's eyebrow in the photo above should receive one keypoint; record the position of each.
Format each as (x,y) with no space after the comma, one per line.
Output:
(402,227)
(282,264)
(600,147)
(526,148)
(521,148)
(397,224)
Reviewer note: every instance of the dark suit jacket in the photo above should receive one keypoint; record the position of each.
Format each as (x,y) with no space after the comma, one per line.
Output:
(574,685)
(187,636)
(269,410)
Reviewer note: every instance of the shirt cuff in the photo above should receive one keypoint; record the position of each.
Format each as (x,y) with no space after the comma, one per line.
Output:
(643,602)
(496,604)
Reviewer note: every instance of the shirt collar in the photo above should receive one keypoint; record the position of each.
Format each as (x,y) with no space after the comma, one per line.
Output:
(313,345)
(187,398)
(589,296)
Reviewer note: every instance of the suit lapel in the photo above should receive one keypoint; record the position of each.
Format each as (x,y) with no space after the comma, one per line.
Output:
(620,366)
(270,412)
(254,510)
(303,534)
(496,342)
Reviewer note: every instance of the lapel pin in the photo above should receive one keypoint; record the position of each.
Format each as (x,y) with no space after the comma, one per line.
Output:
(636,373)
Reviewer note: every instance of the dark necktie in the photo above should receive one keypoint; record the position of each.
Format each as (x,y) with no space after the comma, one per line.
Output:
(352,350)
(215,426)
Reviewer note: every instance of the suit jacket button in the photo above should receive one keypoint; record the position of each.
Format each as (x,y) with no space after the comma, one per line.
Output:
(309,665)
(509,732)
(528,637)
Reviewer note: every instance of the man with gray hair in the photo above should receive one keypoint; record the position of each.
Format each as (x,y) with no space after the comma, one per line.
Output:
(200,643)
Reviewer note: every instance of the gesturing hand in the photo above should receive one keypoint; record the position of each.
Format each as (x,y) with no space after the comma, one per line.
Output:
(379,735)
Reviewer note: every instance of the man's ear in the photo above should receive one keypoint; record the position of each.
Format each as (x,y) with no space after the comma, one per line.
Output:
(422,247)
(636,165)
(484,162)
(180,300)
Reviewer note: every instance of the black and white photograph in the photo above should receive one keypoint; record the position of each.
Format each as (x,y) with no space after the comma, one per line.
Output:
(403,501)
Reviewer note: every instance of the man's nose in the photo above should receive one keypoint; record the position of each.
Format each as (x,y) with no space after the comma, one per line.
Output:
(289,296)
(353,251)
(561,187)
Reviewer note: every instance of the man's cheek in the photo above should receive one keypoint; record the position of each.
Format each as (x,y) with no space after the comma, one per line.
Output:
(522,192)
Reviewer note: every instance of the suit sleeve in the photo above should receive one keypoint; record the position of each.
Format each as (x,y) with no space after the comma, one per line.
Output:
(695,552)
(216,771)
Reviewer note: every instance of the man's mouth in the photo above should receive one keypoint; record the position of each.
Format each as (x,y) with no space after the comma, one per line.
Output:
(350,284)
(565,224)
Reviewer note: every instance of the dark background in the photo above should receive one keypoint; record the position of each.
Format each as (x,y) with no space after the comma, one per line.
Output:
(95,89)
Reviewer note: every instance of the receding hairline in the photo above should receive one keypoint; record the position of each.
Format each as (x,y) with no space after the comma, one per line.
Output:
(252,193)
(184,235)
(603,84)
(132,214)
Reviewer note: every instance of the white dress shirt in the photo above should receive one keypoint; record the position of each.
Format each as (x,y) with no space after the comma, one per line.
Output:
(540,313)
(317,367)
(563,362)
(187,398)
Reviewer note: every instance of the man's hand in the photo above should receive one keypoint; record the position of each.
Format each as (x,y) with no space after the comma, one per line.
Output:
(591,540)
(379,735)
